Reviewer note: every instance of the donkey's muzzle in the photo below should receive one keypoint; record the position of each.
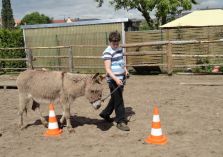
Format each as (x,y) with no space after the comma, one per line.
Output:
(97,104)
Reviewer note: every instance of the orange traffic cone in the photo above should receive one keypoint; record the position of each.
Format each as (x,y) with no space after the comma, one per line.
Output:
(156,136)
(53,129)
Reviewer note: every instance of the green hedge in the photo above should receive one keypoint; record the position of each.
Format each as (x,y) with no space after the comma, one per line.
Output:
(12,38)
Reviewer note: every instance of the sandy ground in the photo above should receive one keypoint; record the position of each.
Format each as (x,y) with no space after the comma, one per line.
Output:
(191,118)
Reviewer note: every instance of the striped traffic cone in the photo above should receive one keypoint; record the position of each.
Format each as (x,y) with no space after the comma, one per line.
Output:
(156,136)
(53,129)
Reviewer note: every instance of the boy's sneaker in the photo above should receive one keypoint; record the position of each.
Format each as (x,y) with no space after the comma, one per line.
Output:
(106,118)
(122,126)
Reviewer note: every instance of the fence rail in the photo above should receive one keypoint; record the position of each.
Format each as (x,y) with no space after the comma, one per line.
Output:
(167,53)
(13,59)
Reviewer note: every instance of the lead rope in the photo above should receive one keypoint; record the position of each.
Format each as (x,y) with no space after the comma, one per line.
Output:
(115,89)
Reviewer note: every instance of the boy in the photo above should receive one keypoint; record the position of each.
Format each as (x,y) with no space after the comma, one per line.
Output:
(116,73)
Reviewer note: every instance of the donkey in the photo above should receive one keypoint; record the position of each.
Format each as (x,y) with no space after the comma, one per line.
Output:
(40,86)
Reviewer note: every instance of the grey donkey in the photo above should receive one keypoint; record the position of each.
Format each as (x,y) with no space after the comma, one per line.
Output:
(41,86)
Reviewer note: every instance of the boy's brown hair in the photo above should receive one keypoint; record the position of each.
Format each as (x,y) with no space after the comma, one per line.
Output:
(114,36)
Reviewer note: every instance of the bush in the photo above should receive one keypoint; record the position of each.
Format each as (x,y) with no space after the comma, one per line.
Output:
(221,69)
(9,39)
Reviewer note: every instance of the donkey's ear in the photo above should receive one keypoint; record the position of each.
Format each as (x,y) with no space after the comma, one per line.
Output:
(102,77)
(95,76)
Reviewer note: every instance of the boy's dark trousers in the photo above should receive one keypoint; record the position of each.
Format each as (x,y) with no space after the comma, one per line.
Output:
(116,103)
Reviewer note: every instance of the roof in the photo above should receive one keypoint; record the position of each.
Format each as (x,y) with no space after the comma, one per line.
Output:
(199,18)
(58,21)
(79,23)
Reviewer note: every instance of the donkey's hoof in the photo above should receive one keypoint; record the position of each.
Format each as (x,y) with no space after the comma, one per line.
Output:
(22,127)
(70,130)
(45,124)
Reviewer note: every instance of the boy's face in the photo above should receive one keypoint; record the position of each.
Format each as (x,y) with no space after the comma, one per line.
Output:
(114,44)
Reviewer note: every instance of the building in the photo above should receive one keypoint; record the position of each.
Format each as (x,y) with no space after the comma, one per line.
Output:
(17,22)
(68,20)
(83,32)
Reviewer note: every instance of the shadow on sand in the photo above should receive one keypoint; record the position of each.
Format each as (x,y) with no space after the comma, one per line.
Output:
(77,121)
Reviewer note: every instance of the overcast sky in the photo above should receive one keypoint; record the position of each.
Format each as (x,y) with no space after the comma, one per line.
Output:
(58,9)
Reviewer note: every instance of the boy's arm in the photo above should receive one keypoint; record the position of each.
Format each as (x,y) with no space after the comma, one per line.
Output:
(107,64)
(126,71)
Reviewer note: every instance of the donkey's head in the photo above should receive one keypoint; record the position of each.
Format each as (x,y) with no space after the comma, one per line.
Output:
(93,91)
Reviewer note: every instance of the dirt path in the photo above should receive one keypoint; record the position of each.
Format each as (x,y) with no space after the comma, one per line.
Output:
(191,117)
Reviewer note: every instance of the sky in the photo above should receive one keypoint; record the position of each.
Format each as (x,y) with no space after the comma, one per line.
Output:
(60,9)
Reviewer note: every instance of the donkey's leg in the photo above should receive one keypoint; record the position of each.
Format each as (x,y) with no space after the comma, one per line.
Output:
(67,116)
(24,100)
(65,102)
(36,106)
(62,118)
(63,114)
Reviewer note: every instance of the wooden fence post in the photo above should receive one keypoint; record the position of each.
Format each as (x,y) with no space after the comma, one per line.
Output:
(70,60)
(169,59)
(29,59)
(58,53)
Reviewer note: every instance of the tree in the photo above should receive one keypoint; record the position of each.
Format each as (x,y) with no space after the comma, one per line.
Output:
(35,18)
(162,8)
(7,15)
(168,9)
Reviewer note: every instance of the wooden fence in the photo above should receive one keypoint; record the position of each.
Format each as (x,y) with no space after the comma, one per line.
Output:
(169,61)
(177,34)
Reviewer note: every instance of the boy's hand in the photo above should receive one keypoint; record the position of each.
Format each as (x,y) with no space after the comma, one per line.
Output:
(118,82)
(126,73)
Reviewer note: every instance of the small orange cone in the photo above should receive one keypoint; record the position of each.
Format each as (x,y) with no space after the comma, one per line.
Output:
(53,129)
(156,136)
